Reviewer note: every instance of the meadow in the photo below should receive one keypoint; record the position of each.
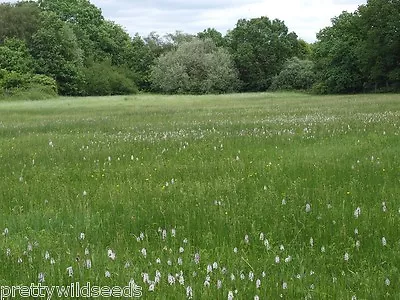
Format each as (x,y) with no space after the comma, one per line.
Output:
(245,196)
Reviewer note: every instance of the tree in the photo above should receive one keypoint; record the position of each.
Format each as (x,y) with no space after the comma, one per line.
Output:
(57,53)
(15,56)
(297,74)
(337,58)
(196,67)
(19,20)
(214,35)
(379,50)
(260,47)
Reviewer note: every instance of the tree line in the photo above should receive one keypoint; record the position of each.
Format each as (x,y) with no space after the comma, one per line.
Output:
(67,47)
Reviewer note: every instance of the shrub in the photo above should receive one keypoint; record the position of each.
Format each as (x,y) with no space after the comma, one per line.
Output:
(102,79)
(195,67)
(297,74)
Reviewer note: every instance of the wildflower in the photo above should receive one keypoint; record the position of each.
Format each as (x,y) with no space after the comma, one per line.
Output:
(242,277)
(185,241)
(52,261)
(223,270)
(19,260)
(219,284)
(251,276)
(70,271)
(233,277)
(263,274)
(261,236)
(358,244)
(84,193)
(215,265)
(346,256)
(354,297)
(158,261)
(284,285)
(127,265)
(197,258)
(356,231)
(173,232)
(88,264)
(141,236)
(144,252)
(235,250)
(230,295)
(246,239)
(171,279)
(8,251)
(46,255)
(189,292)
(312,286)
(157,277)
(323,249)
(82,236)
(41,277)
(5,232)
(86,251)
(111,254)
(266,244)
(288,259)
(387,281)
(206,283)
(209,269)
(311,242)
(180,261)
(308,208)
(181,250)
(283,201)
(384,208)
(107,274)
(258,283)
(256,297)
(164,234)
(277,259)
(169,262)
(384,243)
(357,212)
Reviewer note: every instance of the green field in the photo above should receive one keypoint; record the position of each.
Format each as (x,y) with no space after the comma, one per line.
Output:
(277,195)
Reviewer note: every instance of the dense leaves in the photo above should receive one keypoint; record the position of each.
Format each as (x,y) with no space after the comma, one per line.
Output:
(69,43)
(260,47)
(197,67)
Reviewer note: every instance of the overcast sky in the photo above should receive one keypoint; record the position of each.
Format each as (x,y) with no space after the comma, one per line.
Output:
(305,17)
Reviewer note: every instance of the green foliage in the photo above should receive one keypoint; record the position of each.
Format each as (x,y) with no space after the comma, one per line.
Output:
(102,78)
(297,74)
(14,85)
(19,20)
(196,67)
(57,53)
(260,48)
(361,50)
(15,56)
(214,35)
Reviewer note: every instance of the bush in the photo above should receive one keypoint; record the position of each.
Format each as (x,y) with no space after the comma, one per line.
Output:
(195,67)
(102,79)
(297,74)
(15,85)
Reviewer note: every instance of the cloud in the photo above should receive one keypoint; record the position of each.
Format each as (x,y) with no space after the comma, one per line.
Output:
(305,17)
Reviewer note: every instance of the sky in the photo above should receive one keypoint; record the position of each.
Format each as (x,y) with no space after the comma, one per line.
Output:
(305,17)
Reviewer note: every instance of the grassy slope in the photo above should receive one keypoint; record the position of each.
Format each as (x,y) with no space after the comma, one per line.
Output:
(247,152)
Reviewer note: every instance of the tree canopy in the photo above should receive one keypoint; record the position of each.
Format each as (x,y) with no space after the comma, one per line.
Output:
(68,47)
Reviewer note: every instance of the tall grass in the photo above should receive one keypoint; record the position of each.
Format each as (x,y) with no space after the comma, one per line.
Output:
(251,195)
